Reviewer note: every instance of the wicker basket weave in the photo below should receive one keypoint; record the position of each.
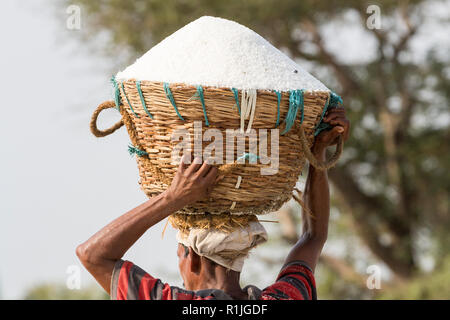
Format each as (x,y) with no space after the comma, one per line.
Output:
(150,127)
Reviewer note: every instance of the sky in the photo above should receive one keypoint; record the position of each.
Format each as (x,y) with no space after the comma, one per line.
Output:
(58,183)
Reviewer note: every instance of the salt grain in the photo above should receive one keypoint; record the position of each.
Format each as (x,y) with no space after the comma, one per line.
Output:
(217,52)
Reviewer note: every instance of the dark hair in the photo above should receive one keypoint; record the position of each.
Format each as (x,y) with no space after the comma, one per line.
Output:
(186,250)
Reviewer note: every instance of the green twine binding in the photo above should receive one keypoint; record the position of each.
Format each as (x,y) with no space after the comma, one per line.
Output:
(124,93)
(194,97)
(333,101)
(295,101)
(133,150)
(236,98)
(116,92)
(138,86)
(250,156)
(278,107)
(322,125)
(172,101)
(200,94)
(302,106)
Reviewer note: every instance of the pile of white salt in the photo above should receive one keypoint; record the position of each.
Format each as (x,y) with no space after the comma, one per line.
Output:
(222,53)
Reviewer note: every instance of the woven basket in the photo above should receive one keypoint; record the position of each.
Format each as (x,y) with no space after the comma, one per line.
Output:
(257,194)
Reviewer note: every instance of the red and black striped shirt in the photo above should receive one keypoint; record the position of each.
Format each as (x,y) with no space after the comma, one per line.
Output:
(129,282)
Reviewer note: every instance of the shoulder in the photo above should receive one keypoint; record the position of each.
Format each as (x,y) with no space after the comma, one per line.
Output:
(130,282)
(294,282)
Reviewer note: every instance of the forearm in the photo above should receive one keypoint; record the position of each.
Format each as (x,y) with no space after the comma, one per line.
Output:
(100,253)
(317,193)
(111,242)
(317,199)
(315,227)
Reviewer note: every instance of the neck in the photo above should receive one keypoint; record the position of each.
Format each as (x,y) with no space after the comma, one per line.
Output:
(218,277)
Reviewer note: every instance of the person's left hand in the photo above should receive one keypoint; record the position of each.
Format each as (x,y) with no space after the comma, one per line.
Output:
(340,127)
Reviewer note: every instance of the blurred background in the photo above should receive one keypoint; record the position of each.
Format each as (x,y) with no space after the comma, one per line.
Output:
(389,60)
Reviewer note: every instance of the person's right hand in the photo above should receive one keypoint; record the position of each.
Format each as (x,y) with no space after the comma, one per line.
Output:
(192,182)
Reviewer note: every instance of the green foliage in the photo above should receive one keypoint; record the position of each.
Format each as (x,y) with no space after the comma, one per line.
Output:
(53,291)
(139,24)
(431,286)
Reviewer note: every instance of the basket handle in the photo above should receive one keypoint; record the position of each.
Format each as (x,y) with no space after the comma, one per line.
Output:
(126,120)
(313,160)
(93,124)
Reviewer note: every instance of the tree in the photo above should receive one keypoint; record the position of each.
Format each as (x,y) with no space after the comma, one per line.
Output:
(394,179)
(54,291)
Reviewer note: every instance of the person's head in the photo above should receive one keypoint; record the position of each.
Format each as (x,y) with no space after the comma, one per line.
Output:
(195,269)
(208,254)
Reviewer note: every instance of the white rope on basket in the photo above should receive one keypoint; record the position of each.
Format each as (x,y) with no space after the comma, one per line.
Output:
(238,184)
(248,107)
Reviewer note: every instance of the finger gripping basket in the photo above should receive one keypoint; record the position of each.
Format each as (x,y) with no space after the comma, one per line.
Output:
(153,111)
